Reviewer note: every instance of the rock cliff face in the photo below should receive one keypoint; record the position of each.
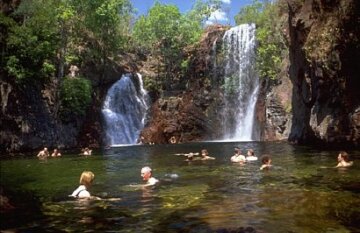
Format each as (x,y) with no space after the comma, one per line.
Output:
(26,119)
(195,113)
(274,107)
(186,113)
(316,98)
(29,121)
(324,70)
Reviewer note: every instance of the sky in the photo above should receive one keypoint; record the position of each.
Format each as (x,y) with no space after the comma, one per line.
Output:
(224,16)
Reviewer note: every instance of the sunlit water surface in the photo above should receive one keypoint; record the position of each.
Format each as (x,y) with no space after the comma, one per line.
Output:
(297,195)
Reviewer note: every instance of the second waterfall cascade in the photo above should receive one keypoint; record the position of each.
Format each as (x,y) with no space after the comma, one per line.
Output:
(241,84)
(124,110)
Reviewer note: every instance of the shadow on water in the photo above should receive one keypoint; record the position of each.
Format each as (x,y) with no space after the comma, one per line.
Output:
(296,195)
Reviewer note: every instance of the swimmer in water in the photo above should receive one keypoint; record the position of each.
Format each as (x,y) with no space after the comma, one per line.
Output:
(146,174)
(343,160)
(266,162)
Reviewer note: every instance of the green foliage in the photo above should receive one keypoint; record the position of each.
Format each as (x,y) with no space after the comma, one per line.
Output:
(202,10)
(165,32)
(165,24)
(31,48)
(48,69)
(75,96)
(15,69)
(250,14)
(270,48)
(151,85)
(5,24)
(104,25)
(50,34)
(159,26)
(184,65)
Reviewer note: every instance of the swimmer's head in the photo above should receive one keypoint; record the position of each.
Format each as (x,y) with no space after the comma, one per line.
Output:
(250,152)
(145,169)
(343,156)
(87,178)
(146,173)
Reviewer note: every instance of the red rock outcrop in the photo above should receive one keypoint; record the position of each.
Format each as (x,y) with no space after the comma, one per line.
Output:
(185,115)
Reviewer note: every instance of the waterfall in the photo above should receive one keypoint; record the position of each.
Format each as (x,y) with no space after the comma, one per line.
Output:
(124,110)
(241,84)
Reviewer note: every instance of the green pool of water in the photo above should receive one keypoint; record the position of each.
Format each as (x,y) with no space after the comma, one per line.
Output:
(297,195)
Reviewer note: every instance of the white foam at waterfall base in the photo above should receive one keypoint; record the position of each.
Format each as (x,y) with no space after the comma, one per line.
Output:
(124,110)
(241,84)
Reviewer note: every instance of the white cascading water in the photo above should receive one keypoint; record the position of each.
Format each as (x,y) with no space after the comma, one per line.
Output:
(241,84)
(124,110)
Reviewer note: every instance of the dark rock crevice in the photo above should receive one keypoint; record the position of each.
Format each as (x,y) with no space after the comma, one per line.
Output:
(323,72)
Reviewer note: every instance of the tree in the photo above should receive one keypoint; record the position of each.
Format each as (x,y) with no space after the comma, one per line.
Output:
(75,97)
(30,48)
(165,32)
(202,10)
(44,37)
(50,33)
(102,30)
(159,32)
(265,14)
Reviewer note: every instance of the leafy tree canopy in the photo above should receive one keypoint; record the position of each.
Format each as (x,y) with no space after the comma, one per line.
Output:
(266,15)
(75,97)
(47,35)
(165,32)
(166,23)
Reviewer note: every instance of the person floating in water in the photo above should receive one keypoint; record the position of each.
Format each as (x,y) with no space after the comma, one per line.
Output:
(266,162)
(43,154)
(86,151)
(146,174)
(56,153)
(343,160)
(86,180)
(238,157)
(190,157)
(251,155)
(205,155)
(189,154)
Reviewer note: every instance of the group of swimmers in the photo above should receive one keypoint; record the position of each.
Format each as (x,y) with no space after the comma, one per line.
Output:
(236,158)
(87,177)
(86,151)
(250,156)
(146,172)
(204,155)
(44,153)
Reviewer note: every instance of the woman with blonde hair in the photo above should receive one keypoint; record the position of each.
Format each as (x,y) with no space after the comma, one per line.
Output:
(86,180)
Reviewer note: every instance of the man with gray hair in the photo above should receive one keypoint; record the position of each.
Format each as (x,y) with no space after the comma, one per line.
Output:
(147,176)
